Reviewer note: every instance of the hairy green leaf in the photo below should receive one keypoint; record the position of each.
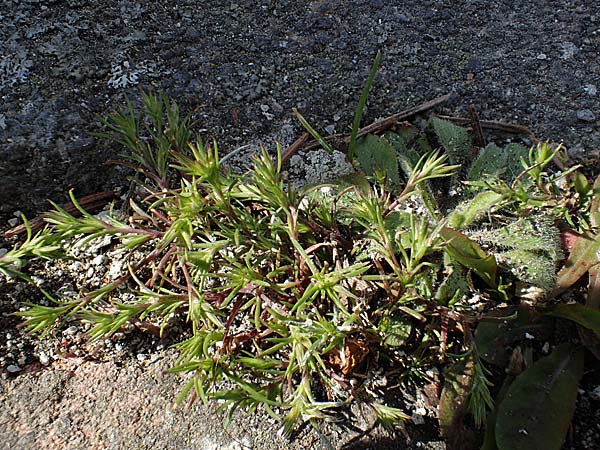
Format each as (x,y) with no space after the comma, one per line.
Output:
(375,154)
(503,163)
(468,253)
(455,140)
(471,210)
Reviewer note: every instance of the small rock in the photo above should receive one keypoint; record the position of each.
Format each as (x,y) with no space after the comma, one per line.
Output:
(3,251)
(576,152)
(114,271)
(330,129)
(417,419)
(586,115)
(13,222)
(433,372)
(70,331)
(590,90)
(546,347)
(98,260)
(402,18)
(418,416)
(44,359)
(276,107)
(13,368)
(38,281)
(541,57)
(595,394)
(568,50)
(474,66)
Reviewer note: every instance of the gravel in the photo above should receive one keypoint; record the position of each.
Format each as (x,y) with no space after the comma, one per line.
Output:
(240,68)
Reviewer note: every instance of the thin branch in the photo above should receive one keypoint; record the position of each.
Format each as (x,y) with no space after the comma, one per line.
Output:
(376,127)
(388,122)
(476,126)
(292,149)
(493,125)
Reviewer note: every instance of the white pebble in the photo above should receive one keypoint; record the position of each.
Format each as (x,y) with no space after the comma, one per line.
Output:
(44,359)
(70,331)
(418,416)
(590,90)
(115,269)
(12,368)
(98,260)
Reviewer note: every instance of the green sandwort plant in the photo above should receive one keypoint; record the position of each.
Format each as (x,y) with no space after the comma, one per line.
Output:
(287,292)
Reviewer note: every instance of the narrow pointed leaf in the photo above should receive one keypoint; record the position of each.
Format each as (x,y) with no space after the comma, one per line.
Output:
(408,158)
(361,106)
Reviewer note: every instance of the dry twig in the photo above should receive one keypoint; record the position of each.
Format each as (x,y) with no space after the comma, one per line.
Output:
(376,127)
